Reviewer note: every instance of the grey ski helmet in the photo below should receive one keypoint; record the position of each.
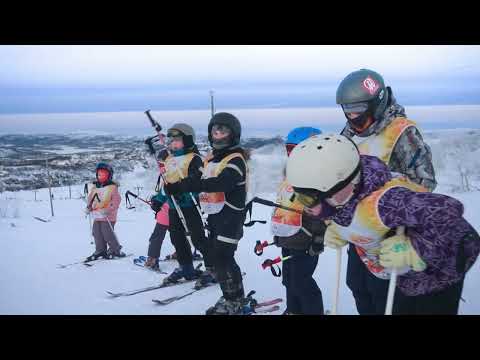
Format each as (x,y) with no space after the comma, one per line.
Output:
(187,132)
(363,87)
(231,122)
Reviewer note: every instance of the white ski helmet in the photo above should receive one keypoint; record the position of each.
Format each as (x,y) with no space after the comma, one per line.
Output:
(325,163)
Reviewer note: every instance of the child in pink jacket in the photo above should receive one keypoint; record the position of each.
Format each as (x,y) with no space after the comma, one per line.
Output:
(157,237)
(161,227)
(103,203)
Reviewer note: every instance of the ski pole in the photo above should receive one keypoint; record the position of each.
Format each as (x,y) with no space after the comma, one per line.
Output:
(89,206)
(272,264)
(158,128)
(259,246)
(393,281)
(182,217)
(273,204)
(337,282)
(128,203)
(111,227)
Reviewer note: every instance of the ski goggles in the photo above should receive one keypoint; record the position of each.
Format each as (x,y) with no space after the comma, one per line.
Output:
(309,199)
(221,129)
(172,133)
(359,107)
(312,197)
(289,148)
(359,122)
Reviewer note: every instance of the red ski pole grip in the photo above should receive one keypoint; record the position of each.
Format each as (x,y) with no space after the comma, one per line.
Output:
(276,260)
(266,263)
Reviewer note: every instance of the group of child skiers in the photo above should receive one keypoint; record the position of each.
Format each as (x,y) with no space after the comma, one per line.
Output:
(369,188)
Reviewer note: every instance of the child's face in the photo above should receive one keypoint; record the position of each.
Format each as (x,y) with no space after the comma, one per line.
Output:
(102,175)
(175,143)
(220,132)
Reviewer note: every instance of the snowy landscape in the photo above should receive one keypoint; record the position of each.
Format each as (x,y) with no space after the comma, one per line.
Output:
(32,283)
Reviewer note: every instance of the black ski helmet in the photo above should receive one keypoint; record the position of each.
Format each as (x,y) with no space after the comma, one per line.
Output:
(364,86)
(106,166)
(228,120)
(187,132)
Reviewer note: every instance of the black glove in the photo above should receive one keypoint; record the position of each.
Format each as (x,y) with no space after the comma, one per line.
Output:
(316,247)
(162,155)
(173,189)
(155,205)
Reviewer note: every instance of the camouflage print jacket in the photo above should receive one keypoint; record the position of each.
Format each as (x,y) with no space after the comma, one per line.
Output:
(411,156)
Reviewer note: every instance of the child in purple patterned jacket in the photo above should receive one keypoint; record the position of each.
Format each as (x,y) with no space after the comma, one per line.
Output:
(365,203)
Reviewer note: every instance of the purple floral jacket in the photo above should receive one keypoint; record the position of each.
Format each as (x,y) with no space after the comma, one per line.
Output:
(447,243)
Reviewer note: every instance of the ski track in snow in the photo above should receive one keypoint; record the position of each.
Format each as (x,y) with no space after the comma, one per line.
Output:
(31,283)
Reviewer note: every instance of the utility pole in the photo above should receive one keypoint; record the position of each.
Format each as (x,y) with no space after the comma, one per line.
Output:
(49,186)
(70,191)
(35,191)
(212,103)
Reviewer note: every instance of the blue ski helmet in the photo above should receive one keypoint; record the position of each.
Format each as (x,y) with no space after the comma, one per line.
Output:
(299,134)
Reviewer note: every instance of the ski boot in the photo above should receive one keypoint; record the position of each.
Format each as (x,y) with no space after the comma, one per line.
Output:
(206,278)
(96,256)
(112,254)
(186,272)
(152,263)
(228,307)
(196,256)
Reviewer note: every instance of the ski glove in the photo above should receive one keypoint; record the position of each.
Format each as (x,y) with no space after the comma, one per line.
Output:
(155,205)
(332,240)
(316,247)
(397,252)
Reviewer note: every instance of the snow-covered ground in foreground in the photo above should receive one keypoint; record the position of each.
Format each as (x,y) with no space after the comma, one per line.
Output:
(31,283)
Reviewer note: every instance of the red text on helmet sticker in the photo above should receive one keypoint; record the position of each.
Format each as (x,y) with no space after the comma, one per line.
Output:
(370,85)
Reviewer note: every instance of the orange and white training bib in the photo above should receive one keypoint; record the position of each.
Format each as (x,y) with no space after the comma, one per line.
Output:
(213,203)
(286,223)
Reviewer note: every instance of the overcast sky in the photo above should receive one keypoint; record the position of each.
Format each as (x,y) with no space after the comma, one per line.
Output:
(129,78)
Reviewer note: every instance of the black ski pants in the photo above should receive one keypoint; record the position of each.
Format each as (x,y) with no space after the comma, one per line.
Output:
(304,297)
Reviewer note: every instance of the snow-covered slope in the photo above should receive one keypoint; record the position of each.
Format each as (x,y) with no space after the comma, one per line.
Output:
(31,283)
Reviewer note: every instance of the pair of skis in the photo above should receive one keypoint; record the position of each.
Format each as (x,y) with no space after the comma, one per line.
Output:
(150,288)
(88,263)
(179,297)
